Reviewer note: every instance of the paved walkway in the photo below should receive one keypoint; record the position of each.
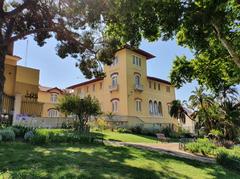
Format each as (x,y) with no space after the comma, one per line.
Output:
(167,148)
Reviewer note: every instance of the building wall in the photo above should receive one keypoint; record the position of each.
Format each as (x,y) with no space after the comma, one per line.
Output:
(45,98)
(10,75)
(126,93)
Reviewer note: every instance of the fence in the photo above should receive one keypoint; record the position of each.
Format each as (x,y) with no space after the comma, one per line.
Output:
(8,104)
(32,108)
(41,122)
(6,116)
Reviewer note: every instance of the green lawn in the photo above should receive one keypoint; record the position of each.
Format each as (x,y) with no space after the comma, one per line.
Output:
(125,137)
(19,160)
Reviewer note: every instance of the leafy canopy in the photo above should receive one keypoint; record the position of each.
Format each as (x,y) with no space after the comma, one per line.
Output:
(210,28)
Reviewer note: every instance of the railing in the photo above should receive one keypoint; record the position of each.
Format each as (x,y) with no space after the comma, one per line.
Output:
(138,87)
(32,108)
(7,104)
(6,115)
(113,87)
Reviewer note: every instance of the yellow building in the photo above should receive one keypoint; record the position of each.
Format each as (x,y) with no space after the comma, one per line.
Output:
(127,91)
(50,97)
(20,87)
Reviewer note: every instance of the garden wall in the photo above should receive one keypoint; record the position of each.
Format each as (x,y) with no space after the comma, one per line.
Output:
(42,122)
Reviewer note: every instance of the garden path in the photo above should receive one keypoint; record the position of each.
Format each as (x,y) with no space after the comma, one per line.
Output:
(171,148)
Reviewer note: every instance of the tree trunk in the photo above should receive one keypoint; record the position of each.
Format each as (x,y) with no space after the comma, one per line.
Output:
(3,52)
(227,45)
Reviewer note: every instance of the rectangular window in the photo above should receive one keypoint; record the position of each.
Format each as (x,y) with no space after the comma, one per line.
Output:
(133,58)
(100,85)
(87,89)
(150,84)
(159,86)
(140,63)
(168,89)
(54,98)
(154,85)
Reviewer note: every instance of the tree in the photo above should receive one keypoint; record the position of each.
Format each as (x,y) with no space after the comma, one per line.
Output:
(202,25)
(210,28)
(178,111)
(76,24)
(203,106)
(82,108)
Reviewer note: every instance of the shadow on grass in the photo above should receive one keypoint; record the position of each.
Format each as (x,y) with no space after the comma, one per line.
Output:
(20,160)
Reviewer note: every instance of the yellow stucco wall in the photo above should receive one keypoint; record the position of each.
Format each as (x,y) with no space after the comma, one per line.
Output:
(126,94)
(45,97)
(10,74)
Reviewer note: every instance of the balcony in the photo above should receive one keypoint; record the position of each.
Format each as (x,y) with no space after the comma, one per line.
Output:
(138,87)
(113,87)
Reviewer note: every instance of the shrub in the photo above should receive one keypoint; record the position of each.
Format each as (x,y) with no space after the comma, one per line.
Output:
(101,124)
(167,131)
(203,146)
(38,139)
(28,136)
(123,130)
(136,130)
(0,138)
(7,134)
(229,158)
(20,131)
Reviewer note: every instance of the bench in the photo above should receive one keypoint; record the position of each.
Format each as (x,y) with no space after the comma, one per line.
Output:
(161,137)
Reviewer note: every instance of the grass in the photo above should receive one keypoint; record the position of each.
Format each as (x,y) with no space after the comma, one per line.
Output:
(20,160)
(126,137)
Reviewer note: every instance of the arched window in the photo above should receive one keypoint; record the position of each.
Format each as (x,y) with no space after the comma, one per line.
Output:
(115,103)
(137,80)
(53,113)
(114,79)
(150,107)
(155,108)
(160,108)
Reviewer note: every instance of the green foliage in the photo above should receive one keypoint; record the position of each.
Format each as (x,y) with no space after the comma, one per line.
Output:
(214,73)
(229,158)
(83,108)
(203,146)
(50,136)
(7,134)
(136,130)
(178,111)
(20,131)
(28,136)
(209,28)
(0,138)
(123,130)
(101,124)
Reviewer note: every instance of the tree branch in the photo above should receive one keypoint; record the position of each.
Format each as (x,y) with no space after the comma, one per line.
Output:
(18,10)
(226,44)
(1,5)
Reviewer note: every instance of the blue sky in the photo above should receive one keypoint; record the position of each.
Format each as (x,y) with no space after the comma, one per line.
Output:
(55,71)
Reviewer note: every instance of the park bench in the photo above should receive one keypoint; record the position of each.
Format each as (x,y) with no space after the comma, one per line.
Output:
(161,137)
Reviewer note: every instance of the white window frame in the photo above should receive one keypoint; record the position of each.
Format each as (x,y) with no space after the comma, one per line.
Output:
(115,104)
(53,113)
(54,97)
(137,79)
(138,103)
(114,79)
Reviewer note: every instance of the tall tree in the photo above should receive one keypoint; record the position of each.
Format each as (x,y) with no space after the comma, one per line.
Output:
(210,28)
(76,24)
(178,111)
(202,25)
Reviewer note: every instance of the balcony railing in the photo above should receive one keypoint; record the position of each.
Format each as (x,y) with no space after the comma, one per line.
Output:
(138,87)
(113,88)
